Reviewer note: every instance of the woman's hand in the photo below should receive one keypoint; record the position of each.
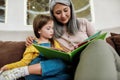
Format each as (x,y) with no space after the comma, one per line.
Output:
(29,40)
(58,49)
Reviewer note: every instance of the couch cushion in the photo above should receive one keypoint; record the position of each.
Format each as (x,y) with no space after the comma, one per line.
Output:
(114,41)
(110,41)
(11,51)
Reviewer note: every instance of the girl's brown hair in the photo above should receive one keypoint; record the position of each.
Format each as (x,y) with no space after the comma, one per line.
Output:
(39,22)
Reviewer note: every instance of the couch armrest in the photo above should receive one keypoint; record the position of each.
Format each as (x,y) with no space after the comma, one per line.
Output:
(114,41)
(110,41)
(11,51)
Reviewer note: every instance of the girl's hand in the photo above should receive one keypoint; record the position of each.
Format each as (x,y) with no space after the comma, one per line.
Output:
(4,68)
(29,40)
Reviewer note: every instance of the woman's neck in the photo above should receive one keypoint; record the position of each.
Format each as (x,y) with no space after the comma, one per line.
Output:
(65,27)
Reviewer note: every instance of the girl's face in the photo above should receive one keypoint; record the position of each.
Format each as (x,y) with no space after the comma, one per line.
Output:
(62,13)
(47,31)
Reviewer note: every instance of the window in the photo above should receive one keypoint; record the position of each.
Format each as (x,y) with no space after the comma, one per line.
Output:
(82,9)
(2,11)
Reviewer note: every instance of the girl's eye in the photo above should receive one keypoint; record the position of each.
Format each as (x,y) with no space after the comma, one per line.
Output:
(48,28)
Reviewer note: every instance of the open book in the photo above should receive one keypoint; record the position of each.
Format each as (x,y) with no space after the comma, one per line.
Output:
(68,56)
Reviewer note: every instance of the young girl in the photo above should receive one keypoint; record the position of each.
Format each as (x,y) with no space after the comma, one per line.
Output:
(52,69)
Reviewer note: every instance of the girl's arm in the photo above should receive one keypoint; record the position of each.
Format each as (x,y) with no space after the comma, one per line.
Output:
(30,53)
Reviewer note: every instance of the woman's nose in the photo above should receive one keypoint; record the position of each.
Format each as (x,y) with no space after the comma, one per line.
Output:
(63,14)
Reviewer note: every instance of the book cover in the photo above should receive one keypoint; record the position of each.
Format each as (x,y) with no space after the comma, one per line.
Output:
(68,56)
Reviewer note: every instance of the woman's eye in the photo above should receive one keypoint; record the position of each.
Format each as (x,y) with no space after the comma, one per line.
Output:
(65,10)
(57,12)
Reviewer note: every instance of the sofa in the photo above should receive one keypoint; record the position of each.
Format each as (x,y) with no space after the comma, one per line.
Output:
(114,41)
(12,51)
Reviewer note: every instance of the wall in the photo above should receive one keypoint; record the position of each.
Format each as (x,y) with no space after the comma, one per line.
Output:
(106,14)
(15,16)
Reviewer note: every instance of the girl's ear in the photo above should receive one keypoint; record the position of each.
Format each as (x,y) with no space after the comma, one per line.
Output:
(39,32)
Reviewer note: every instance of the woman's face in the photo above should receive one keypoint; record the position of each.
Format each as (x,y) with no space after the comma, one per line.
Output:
(62,13)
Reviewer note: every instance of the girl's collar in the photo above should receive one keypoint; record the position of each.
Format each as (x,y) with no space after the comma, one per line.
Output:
(39,41)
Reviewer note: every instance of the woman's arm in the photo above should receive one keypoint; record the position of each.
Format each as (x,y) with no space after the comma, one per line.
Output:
(29,40)
(86,26)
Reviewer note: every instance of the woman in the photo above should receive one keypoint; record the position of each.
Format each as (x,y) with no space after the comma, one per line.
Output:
(67,27)
(98,61)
